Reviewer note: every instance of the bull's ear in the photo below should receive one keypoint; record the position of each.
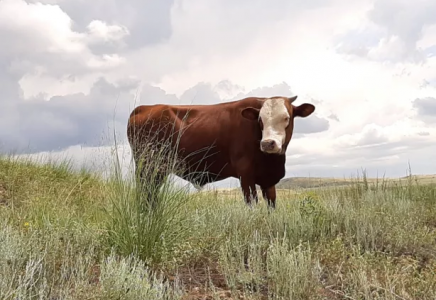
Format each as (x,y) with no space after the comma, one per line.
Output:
(304,110)
(250,113)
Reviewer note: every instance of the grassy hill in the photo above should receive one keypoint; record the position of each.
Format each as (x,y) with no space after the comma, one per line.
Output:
(315,182)
(72,235)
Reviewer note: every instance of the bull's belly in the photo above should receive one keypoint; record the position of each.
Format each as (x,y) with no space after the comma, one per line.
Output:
(202,174)
(203,178)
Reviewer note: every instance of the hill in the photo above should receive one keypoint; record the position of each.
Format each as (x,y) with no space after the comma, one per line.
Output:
(72,235)
(315,182)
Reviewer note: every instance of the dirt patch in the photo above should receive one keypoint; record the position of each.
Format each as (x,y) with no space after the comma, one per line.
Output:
(196,281)
(95,274)
(3,195)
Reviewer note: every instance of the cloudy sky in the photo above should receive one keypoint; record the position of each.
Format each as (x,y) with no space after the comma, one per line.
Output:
(72,70)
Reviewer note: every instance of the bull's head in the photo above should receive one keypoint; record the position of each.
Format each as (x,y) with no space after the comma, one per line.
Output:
(276,120)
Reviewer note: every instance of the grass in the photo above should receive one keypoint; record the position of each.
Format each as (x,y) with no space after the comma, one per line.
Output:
(73,235)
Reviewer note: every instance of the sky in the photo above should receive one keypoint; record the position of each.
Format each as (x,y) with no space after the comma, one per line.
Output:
(71,71)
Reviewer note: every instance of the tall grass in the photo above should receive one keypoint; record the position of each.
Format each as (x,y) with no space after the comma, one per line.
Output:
(147,215)
(135,228)
(71,235)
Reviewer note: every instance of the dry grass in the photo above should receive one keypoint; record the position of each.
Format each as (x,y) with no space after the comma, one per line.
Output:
(368,240)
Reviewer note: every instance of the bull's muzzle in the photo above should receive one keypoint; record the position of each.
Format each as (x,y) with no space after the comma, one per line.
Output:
(270,146)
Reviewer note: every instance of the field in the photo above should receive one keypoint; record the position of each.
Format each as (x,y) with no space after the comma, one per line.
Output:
(73,235)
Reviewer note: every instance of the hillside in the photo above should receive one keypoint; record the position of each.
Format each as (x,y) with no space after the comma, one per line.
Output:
(71,235)
(314,182)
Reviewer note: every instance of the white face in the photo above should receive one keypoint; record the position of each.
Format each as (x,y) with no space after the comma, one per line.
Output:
(275,119)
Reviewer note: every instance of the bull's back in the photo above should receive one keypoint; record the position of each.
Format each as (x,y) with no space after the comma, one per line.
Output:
(192,127)
(201,133)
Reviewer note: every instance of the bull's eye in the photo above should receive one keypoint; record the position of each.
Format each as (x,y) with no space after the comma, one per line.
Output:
(286,119)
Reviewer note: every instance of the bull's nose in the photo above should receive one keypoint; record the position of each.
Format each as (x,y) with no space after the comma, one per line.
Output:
(268,145)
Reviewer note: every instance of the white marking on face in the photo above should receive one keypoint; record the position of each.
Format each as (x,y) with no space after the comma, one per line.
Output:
(275,119)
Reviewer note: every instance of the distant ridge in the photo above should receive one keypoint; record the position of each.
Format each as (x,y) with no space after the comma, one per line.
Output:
(313,182)
(298,183)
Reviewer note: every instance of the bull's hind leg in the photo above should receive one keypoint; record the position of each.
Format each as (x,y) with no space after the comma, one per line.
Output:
(269,194)
(149,178)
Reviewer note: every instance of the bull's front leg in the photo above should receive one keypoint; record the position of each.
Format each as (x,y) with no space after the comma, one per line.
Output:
(248,186)
(269,194)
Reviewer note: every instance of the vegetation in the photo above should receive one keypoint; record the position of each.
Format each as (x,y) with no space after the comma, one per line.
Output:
(72,235)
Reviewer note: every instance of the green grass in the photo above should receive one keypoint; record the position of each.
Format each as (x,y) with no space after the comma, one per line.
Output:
(73,235)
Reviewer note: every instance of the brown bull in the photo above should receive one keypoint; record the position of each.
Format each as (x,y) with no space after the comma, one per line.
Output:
(245,139)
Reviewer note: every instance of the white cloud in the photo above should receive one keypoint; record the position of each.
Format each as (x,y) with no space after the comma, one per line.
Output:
(99,30)
(46,27)
(41,42)
(392,32)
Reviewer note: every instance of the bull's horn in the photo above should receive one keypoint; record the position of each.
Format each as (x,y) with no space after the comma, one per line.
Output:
(293,98)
